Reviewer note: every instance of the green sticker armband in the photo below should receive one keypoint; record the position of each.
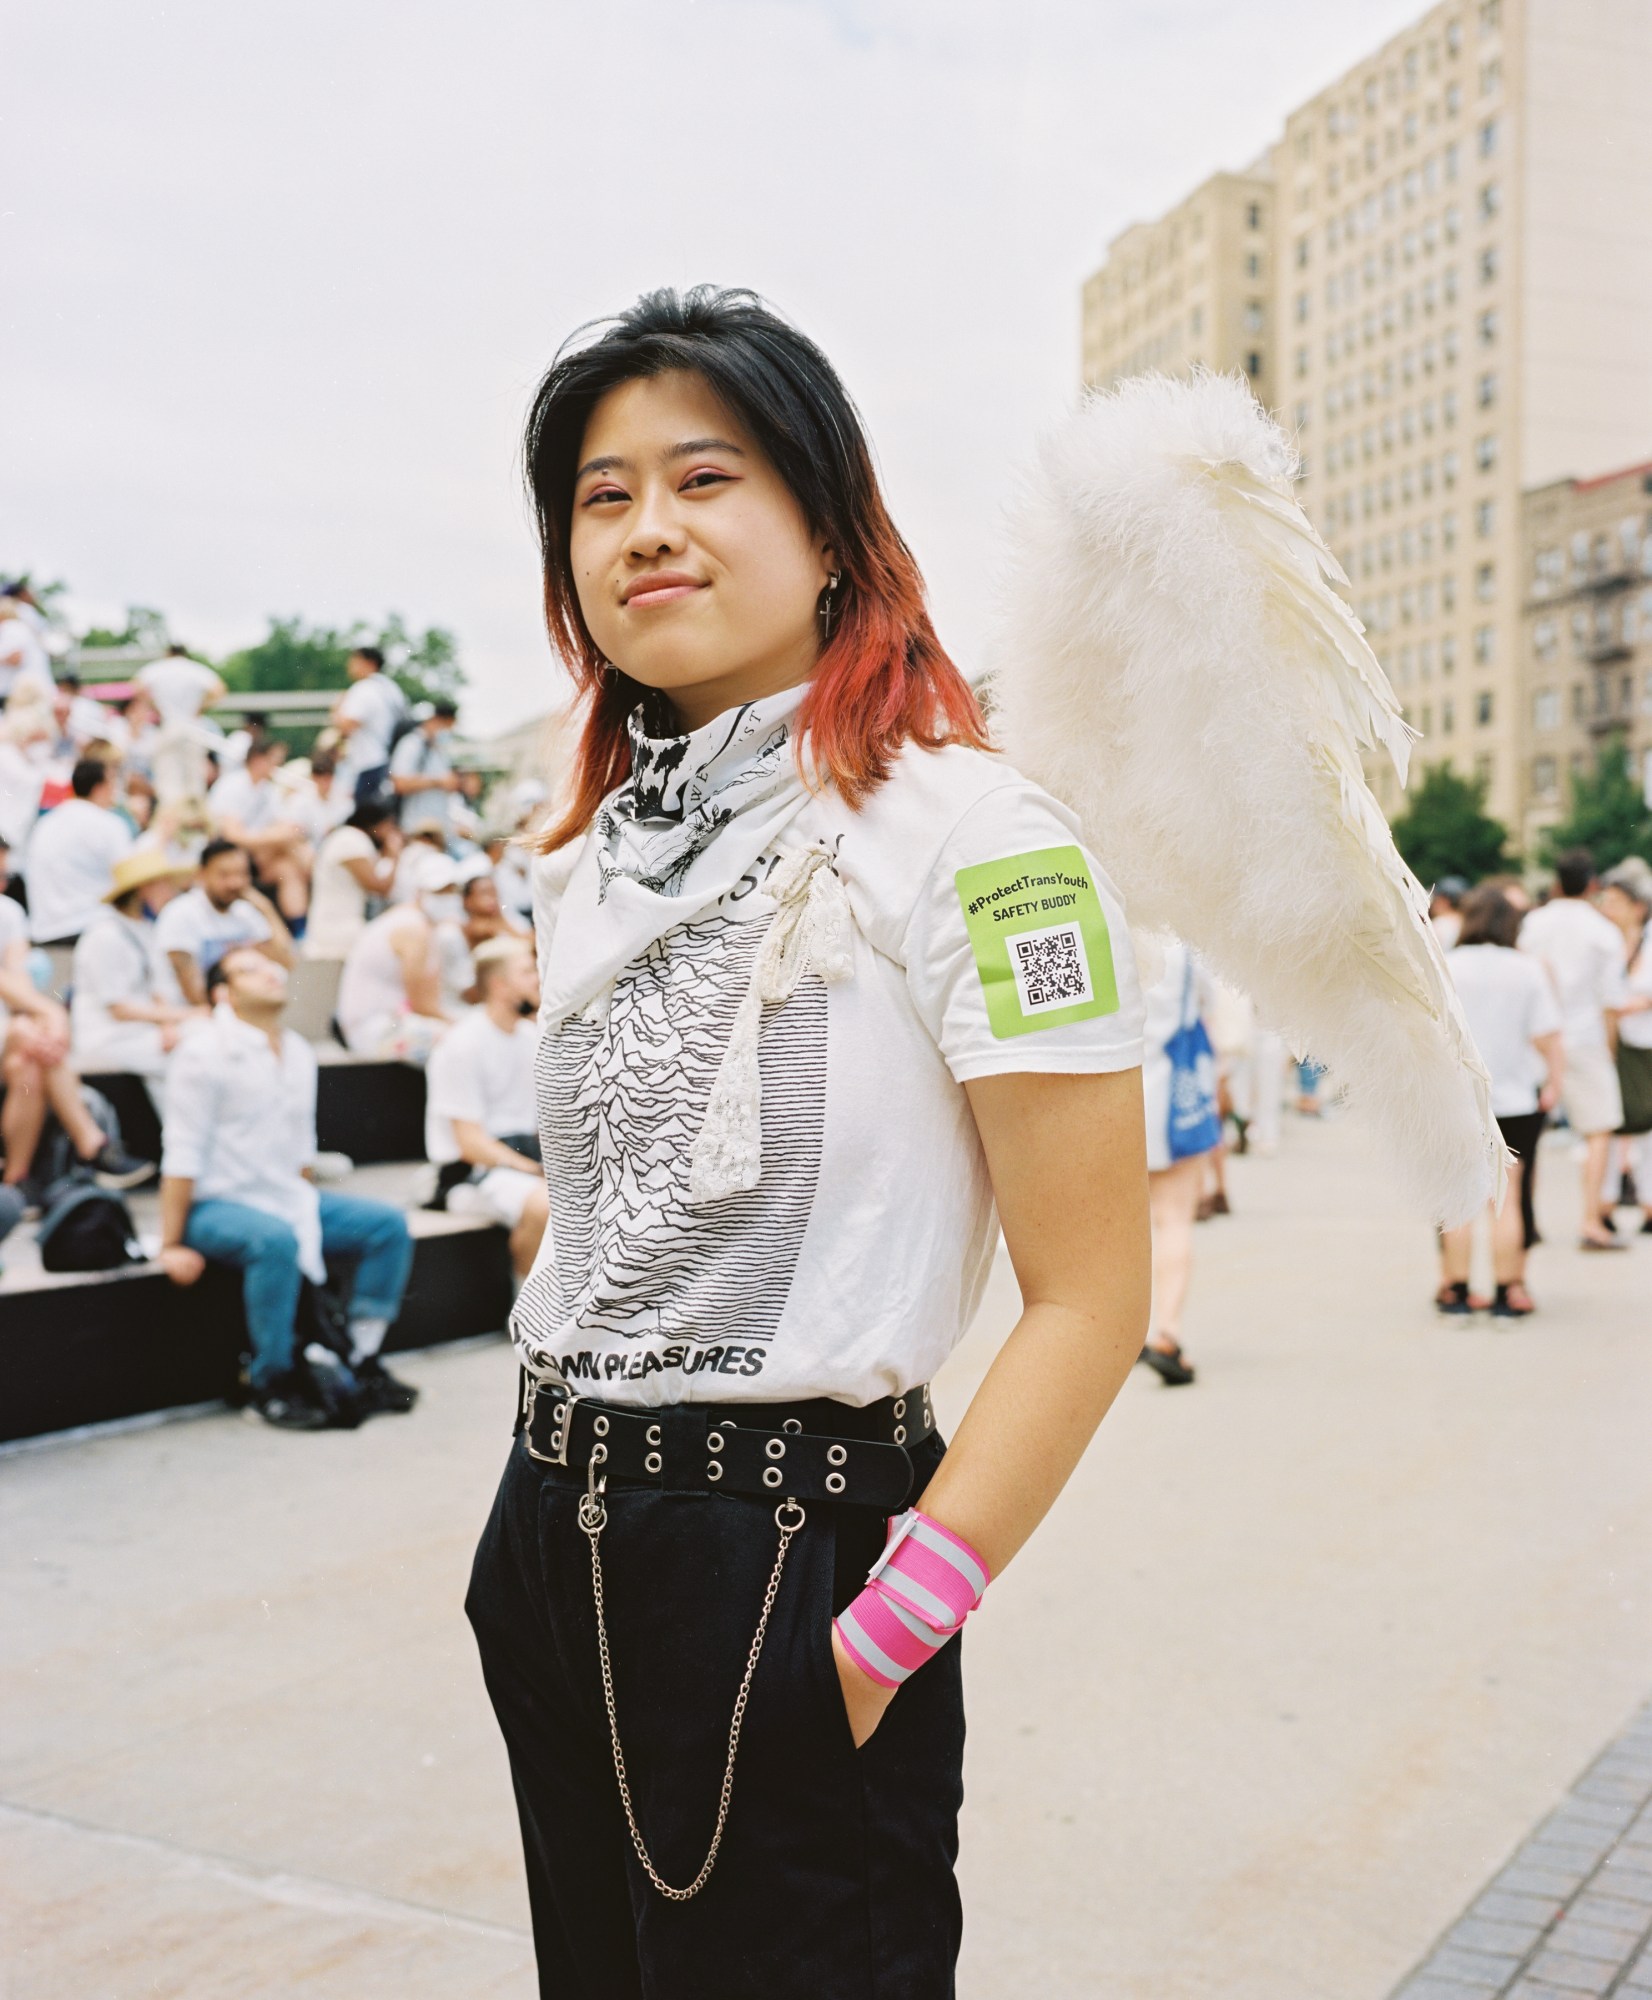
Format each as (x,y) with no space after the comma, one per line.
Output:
(1040,940)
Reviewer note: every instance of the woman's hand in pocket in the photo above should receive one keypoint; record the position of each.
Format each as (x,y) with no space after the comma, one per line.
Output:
(864,1699)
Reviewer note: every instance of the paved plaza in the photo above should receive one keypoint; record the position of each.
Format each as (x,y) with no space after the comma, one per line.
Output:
(1353,1617)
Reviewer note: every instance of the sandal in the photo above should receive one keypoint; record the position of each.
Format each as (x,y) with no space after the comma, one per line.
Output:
(1513,1301)
(1169,1364)
(1455,1299)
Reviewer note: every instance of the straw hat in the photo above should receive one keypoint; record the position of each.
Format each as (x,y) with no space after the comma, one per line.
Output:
(143,866)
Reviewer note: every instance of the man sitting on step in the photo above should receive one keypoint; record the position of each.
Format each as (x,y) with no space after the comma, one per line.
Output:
(479,1111)
(240,1141)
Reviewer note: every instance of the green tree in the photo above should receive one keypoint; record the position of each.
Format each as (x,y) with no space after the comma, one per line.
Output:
(1608,815)
(1446,830)
(144,627)
(293,655)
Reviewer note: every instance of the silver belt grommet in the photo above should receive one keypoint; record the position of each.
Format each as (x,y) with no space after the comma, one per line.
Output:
(794,1425)
(714,1471)
(775,1448)
(653,1462)
(600,1426)
(835,1482)
(714,1441)
(900,1434)
(653,1433)
(772,1475)
(837,1454)
(900,1406)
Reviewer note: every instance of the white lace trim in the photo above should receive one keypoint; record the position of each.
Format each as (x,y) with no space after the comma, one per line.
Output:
(811,931)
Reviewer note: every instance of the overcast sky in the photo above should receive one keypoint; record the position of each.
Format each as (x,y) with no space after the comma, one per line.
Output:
(278,279)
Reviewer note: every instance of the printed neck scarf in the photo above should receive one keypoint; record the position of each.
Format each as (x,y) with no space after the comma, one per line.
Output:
(697,811)
(684,790)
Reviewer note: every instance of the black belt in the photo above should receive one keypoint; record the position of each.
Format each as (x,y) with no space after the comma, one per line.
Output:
(819,1450)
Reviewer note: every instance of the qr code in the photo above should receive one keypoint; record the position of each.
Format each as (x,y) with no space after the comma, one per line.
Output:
(1051,968)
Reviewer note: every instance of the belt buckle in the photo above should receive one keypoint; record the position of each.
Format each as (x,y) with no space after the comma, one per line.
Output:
(565,1420)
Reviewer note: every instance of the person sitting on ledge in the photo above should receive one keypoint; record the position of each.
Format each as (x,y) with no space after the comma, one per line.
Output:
(223,909)
(239,1143)
(124,1010)
(479,1114)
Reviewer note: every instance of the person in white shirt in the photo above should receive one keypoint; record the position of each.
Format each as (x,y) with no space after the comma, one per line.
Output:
(180,688)
(39,1077)
(223,909)
(354,865)
(240,1144)
(366,717)
(1514,1020)
(396,997)
(125,1011)
(1626,899)
(479,1106)
(251,809)
(421,771)
(315,798)
(25,733)
(1583,954)
(484,915)
(72,854)
(24,661)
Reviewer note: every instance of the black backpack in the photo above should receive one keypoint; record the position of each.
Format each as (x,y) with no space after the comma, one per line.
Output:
(86,1228)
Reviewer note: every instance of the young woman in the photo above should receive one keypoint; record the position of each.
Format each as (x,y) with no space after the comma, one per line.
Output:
(1515,1021)
(825,983)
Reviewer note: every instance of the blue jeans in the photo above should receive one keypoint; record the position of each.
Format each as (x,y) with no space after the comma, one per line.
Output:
(265,1251)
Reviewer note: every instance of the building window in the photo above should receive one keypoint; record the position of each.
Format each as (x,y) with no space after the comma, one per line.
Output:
(1485,582)
(1253,215)
(1448,345)
(1491,200)
(1303,361)
(1488,139)
(1448,716)
(1546,708)
(1485,517)
(1253,368)
(1448,592)
(1303,307)
(1453,38)
(1448,408)
(1488,264)
(1545,638)
(1485,644)
(1482,707)
(1448,469)
(1545,777)
(1196,320)
(1485,451)
(1486,390)
(1580,702)
(1302,252)
(1448,531)
(1487,325)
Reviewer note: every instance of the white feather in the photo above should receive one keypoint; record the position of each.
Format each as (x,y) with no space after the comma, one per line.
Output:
(1175,663)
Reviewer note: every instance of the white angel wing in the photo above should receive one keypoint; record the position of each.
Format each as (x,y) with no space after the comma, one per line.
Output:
(1175,663)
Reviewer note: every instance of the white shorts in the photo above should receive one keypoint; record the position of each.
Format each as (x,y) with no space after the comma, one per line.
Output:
(1590,1095)
(501,1194)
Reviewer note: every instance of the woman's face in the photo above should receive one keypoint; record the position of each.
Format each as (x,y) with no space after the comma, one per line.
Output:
(695,569)
(1621,907)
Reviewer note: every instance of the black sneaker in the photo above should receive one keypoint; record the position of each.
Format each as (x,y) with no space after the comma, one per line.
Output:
(288,1404)
(1173,1369)
(381,1392)
(115,1168)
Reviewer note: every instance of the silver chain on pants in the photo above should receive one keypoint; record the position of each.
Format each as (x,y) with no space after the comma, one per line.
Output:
(593,1518)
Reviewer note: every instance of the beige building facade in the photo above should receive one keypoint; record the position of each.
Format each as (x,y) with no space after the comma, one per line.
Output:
(1586,632)
(1461,311)
(1194,288)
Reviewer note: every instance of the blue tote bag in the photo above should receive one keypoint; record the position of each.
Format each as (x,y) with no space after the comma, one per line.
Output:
(1195,1121)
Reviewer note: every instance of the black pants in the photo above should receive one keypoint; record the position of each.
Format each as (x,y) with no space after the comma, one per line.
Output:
(835,1878)
(1521,1132)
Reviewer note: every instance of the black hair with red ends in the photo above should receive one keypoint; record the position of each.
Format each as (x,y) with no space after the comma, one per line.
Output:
(882,678)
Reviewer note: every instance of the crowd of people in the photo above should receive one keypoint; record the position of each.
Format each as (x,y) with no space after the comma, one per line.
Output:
(164,882)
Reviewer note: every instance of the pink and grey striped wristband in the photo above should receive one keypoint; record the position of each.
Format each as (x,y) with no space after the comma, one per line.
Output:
(918,1593)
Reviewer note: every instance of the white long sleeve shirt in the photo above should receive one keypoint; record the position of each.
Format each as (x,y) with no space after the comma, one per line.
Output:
(240,1124)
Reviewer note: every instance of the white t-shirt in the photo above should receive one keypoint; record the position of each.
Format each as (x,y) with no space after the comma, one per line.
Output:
(375,704)
(21,780)
(14,929)
(1584,954)
(1507,1001)
(118,959)
(338,902)
(192,923)
(1635,1030)
(179,688)
(455,968)
(23,659)
(253,804)
(71,867)
(855,1265)
(372,985)
(479,1072)
(421,756)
